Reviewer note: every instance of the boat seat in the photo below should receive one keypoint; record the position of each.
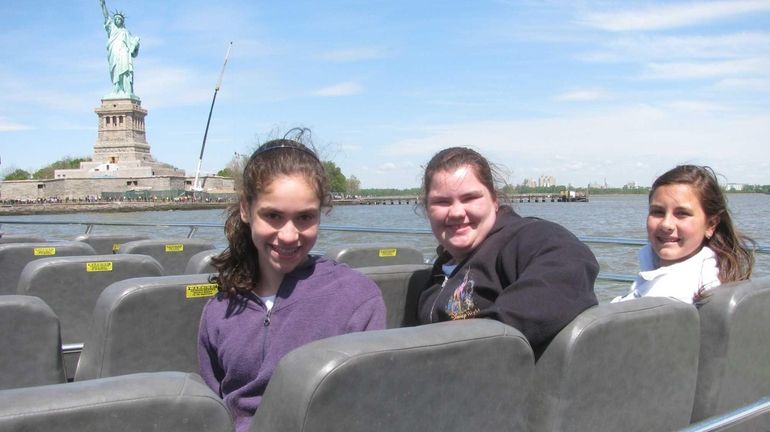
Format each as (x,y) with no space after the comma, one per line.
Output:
(71,285)
(471,375)
(145,324)
(201,262)
(31,343)
(368,256)
(400,286)
(161,401)
(735,351)
(14,256)
(627,366)
(172,254)
(20,238)
(108,243)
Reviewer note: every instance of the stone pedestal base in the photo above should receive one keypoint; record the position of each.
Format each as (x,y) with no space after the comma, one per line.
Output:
(121,132)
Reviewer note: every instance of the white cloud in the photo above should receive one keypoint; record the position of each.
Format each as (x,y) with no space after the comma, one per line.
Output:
(351,54)
(694,106)
(658,136)
(670,16)
(707,69)
(751,84)
(349,88)
(584,95)
(650,48)
(9,126)
(162,86)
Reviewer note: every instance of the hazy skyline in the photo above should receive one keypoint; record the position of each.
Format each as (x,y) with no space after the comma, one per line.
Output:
(583,91)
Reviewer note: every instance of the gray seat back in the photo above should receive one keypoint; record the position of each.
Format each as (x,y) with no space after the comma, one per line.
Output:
(453,376)
(172,254)
(735,350)
(627,366)
(71,285)
(29,335)
(14,256)
(145,325)
(368,256)
(201,262)
(162,401)
(20,238)
(400,286)
(108,243)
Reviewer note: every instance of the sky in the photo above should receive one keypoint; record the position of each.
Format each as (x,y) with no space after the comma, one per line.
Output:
(586,91)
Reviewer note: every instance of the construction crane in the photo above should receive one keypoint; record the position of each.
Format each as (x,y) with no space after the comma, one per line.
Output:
(196,185)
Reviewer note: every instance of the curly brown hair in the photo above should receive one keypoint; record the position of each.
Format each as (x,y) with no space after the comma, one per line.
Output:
(238,264)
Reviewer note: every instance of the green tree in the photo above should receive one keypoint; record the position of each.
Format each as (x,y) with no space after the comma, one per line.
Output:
(337,180)
(17,174)
(68,162)
(234,169)
(353,185)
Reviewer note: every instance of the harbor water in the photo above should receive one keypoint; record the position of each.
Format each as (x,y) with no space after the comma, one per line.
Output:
(620,216)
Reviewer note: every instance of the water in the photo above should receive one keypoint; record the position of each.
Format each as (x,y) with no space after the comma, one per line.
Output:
(604,216)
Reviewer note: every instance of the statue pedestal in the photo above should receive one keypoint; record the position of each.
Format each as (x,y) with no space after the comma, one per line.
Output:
(121,149)
(121,132)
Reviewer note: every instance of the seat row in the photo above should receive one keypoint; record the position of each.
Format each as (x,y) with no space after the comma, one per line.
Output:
(172,254)
(176,256)
(650,364)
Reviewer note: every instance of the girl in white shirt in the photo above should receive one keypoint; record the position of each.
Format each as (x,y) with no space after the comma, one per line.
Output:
(693,244)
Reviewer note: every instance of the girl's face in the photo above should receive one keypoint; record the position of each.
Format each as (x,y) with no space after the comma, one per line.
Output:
(677,226)
(461,210)
(284,221)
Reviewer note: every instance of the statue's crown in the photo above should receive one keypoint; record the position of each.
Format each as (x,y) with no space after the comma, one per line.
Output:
(119,13)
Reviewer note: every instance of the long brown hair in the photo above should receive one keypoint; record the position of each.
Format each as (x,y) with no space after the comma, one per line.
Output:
(238,264)
(734,251)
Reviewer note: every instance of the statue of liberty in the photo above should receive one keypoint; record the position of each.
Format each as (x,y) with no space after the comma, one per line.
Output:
(122,47)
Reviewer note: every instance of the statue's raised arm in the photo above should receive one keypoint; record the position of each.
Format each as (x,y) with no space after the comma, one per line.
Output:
(122,47)
(105,12)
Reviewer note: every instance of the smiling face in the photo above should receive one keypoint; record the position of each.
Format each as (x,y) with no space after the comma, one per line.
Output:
(677,226)
(284,221)
(461,210)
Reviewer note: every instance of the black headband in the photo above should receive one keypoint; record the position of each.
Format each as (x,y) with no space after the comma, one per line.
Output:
(285,144)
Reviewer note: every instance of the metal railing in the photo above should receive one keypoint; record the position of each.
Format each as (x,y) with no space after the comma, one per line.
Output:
(732,418)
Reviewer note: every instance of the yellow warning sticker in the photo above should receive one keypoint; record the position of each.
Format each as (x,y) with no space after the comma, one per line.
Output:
(99,266)
(115,247)
(200,290)
(42,251)
(385,253)
(176,247)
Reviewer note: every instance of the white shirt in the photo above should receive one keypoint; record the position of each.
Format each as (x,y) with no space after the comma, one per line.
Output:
(680,280)
(268,301)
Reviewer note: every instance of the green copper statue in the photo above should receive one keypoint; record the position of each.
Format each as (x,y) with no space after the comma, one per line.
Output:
(122,47)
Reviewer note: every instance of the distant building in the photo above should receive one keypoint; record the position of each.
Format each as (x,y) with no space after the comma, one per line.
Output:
(737,187)
(122,166)
(529,182)
(546,181)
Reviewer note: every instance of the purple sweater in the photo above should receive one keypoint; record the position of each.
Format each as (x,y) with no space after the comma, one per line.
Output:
(240,343)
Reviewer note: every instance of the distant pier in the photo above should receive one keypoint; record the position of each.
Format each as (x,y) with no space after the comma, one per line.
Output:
(517,198)
(385,200)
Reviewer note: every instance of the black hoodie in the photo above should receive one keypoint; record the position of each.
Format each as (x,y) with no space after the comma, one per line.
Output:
(531,274)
